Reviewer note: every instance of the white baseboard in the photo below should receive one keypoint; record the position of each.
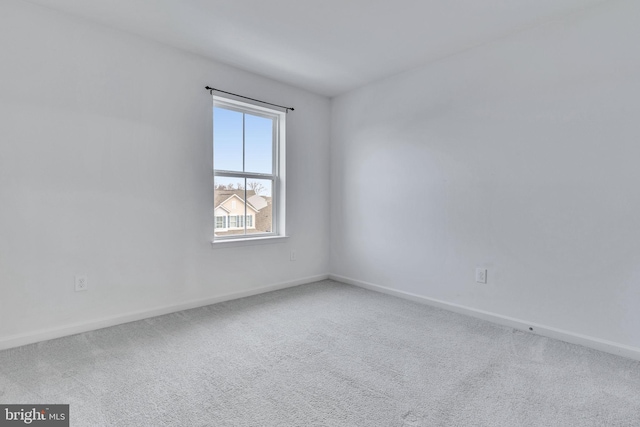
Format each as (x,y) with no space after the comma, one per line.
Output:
(92,325)
(522,325)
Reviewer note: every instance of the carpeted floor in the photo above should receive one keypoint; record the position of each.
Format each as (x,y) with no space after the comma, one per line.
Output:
(325,354)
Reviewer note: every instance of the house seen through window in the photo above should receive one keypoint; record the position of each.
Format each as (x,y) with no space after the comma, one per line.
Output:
(248,166)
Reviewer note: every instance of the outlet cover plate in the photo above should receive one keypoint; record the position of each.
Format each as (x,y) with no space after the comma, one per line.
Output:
(81,283)
(481,275)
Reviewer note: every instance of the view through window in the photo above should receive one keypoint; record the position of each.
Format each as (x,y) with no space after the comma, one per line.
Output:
(246,163)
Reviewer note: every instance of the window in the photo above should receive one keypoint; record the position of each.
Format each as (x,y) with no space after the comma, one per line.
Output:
(248,169)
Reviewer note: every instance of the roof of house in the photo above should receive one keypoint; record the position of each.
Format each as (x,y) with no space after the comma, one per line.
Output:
(257,201)
(221,196)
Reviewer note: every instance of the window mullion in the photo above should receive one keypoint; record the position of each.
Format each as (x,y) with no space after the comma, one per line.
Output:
(244,146)
(244,220)
(244,169)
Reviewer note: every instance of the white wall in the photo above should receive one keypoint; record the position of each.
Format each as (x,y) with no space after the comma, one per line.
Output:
(105,170)
(522,156)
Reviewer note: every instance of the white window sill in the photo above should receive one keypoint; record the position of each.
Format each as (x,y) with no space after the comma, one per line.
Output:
(232,243)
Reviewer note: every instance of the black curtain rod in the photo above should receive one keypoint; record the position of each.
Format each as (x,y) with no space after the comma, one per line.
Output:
(211,89)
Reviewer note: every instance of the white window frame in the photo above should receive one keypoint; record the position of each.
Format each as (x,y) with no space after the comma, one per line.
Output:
(278,187)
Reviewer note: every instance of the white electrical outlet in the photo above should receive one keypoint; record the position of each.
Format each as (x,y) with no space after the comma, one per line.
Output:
(293,256)
(81,283)
(481,275)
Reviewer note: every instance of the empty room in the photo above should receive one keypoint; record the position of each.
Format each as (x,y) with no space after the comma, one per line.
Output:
(319,213)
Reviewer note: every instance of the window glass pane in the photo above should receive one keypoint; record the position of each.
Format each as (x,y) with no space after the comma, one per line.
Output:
(260,206)
(229,185)
(258,144)
(227,139)
(229,201)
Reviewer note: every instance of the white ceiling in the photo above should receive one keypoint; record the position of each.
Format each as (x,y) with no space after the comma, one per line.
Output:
(328,46)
